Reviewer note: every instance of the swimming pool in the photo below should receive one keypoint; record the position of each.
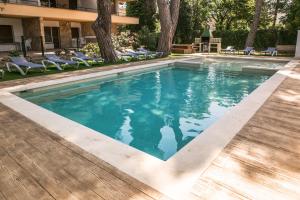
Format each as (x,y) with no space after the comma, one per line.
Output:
(158,111)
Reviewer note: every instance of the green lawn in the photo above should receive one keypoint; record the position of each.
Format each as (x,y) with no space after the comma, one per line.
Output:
(53,70)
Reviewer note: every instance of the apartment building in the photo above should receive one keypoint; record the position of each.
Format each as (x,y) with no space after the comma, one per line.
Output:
(53,23)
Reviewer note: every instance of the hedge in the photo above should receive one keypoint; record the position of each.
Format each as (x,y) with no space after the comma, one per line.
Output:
(264,38)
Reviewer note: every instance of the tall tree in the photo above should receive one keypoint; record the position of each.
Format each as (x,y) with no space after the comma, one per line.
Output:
(276,8)
(255,23)
(185,23)
(146,11)
(230,14)
(102,29)
(168,17)
(292,18)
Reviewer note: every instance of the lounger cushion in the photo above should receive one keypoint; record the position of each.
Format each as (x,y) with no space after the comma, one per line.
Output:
(21,61)
(57,59)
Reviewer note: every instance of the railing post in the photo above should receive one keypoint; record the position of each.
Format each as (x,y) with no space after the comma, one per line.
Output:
(42,45)
(24,50)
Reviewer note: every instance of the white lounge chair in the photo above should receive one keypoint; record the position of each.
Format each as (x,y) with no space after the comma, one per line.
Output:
(249,50)
(137,54)
(59,62)
(21,64)
(151,53)
(81,57)
(229,49)
(124,56)
(271,50)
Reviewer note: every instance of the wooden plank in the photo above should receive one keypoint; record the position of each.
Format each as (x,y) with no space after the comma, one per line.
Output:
(250,181)
(208,189)
(276,124)
(25,180)
(2,197)
(54,179)
(10,183)
(265,156)
(112,170)
(79,165)
(35,144)
(275,139)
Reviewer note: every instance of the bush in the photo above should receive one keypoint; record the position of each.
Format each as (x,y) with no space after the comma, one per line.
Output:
(14,53)
(124,39)
(264,38)
(147,38)
(91,49)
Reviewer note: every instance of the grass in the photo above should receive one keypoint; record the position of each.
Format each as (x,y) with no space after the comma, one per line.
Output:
(53,70)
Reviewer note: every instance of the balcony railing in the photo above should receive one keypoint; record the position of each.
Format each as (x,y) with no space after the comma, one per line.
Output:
(122,10)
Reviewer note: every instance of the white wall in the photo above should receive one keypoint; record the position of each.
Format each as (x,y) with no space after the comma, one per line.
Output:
(17,32)
(51,24)
(17,27)
(297,55)
(91,4)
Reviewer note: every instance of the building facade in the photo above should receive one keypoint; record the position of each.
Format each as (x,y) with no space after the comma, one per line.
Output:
(53,23)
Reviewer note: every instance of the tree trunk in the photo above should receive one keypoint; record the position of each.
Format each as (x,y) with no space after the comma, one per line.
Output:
(275,13)
(150,6)
(255,24)
(102,29)
(168,17)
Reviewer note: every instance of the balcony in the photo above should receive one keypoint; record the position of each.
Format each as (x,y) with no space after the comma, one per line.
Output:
(61,10)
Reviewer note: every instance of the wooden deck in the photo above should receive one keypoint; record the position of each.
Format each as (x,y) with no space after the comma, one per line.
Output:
(261,162)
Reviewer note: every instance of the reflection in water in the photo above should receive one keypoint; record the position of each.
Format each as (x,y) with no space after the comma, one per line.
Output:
(157,112)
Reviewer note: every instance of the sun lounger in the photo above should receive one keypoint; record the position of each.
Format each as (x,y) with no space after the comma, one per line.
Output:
(81,57)
(54,59)
(249,50)
(124,56)
(229,49)
(271,50)
(20,63)
(137,54)
(151,53)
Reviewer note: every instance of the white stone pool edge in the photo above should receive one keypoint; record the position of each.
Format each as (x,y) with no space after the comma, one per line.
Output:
(173,177)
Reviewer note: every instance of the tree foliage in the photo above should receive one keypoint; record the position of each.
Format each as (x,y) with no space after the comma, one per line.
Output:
(292,18)
(236,16)
(146,11)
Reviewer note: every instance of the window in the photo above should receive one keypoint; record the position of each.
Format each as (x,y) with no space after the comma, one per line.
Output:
(48,3)
(48,35)
(75,32)
(6,34)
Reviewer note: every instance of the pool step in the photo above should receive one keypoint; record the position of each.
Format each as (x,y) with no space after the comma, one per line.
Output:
(61,93)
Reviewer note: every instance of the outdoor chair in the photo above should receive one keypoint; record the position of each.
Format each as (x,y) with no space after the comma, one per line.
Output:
(81,57)
(124,56)
(271,50)
(137,54)
(151,53)
(59,62)
(20,63)
(248,50)
(229,49)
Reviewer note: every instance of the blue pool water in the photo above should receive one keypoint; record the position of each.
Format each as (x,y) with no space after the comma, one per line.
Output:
(157,112)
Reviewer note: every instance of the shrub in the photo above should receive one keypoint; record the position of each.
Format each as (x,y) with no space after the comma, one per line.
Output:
(124,39)
(264,38)
(91,49)
(147,38)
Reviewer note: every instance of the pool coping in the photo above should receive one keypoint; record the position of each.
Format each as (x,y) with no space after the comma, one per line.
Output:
(173,177)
